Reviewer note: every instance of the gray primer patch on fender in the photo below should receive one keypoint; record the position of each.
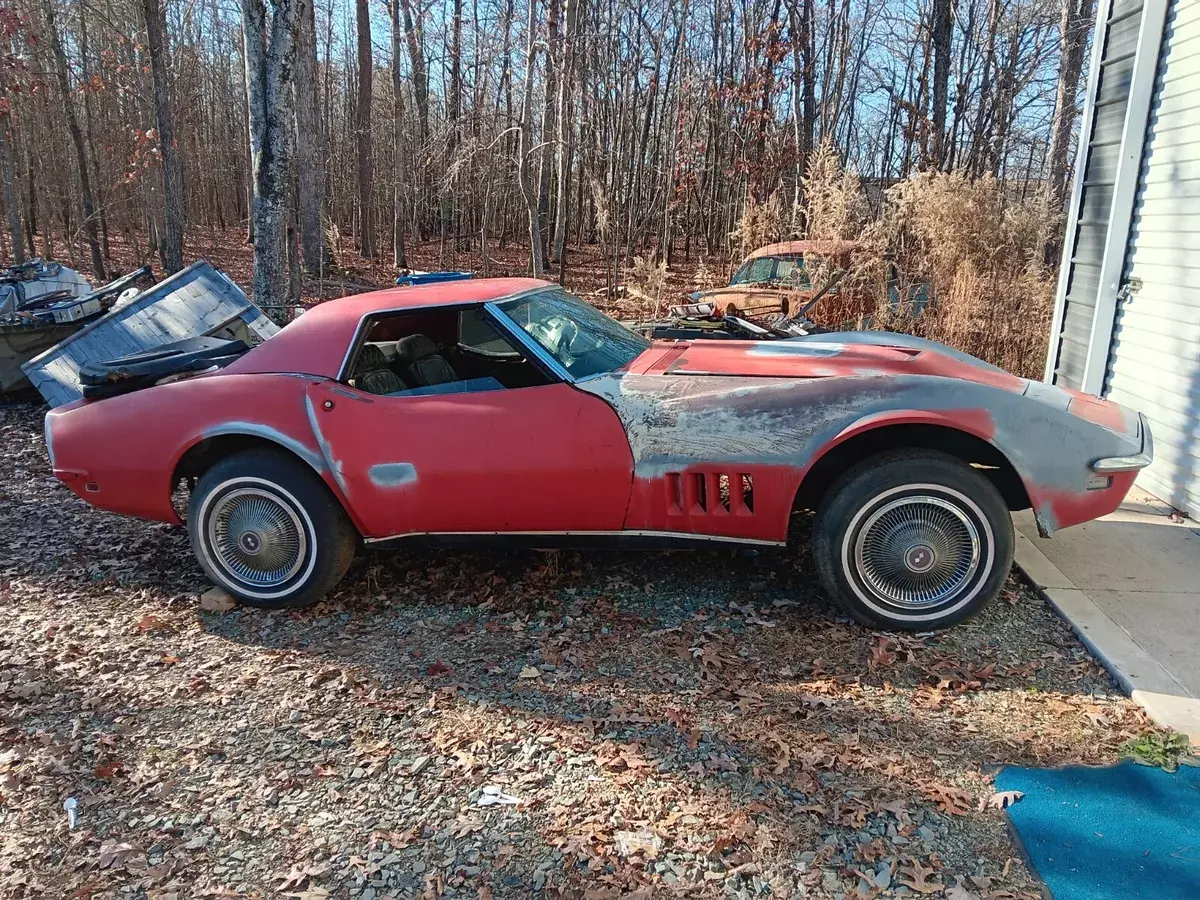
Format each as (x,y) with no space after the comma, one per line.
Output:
(335,465)
(677,420)
(392,475)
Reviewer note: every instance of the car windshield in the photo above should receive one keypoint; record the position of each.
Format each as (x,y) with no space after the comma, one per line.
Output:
(583,340)
(786,268)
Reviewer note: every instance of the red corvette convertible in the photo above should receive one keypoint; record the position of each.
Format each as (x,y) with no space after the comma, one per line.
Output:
(507,410)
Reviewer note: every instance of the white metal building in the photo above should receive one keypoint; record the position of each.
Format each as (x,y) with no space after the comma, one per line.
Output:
(1127,313)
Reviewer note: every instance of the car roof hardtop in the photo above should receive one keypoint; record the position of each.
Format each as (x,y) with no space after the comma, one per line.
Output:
(316,343)
(821,248)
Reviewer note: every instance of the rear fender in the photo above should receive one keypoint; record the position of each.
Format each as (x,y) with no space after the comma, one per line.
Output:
(122,453)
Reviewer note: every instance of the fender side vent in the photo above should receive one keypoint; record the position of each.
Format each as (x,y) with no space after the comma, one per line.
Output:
(701,487)
(710,493)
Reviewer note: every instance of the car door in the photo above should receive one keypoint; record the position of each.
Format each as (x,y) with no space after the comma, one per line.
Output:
(547,458)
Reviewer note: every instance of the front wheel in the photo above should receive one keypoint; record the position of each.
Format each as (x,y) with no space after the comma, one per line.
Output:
(266,529)
(913,541)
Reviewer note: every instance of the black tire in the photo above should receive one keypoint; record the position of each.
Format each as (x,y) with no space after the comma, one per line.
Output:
(284,515)
(912,540)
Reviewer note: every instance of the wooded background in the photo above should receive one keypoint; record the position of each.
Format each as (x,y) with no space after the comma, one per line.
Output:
(326,130)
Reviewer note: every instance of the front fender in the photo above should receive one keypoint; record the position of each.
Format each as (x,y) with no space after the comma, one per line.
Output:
(784,425)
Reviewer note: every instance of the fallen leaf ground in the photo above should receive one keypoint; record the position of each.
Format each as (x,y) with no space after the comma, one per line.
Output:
(697,725)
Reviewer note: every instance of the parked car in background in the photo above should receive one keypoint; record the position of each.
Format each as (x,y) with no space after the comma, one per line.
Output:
(781,278)
(506,411)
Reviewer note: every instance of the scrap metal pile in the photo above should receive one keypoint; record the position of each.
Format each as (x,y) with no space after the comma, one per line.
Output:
(43,293)
(43,303)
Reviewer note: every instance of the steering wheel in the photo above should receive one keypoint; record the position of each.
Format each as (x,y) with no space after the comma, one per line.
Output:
(559,335)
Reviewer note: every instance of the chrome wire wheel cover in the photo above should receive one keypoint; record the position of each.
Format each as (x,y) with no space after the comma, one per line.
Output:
(917,551)
(256,537)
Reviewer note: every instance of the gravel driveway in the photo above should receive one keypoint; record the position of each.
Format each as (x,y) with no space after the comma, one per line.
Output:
(468,724)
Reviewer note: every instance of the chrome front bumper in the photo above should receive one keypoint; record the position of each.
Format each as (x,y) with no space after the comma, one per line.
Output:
(1111,464)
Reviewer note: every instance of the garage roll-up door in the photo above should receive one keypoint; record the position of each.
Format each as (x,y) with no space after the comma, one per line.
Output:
(1120,24)
(1154,356)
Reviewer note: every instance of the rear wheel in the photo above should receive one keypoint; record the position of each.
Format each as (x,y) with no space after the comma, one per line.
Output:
(913,540)
(267,530)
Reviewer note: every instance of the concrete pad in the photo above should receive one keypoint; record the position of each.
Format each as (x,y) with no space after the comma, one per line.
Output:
(1177,713)
(1140,500)
(1132,666)
(1147,639)
(1038,569)
(1166,624)
(1129,551)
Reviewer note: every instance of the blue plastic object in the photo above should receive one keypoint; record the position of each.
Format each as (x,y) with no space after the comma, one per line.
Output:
(414,278)
(1125,832)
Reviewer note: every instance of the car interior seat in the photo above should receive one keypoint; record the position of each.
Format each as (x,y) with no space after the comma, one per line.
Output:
(374,376)
(420,363)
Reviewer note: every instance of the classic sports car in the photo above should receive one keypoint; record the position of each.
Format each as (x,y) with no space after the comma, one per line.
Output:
(507,410)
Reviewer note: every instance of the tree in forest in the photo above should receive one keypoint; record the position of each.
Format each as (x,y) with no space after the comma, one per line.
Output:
(636,129)
(12,72)
(311,146)
(171,248)
(565,146)
(399,170)
(270,53)
(362,131)
(525,149)
(10,192)
(453,105)
(12,75)
(943,32)
(68,105)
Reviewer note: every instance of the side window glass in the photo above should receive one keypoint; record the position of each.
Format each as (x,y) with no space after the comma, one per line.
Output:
(475,332)
(442,350)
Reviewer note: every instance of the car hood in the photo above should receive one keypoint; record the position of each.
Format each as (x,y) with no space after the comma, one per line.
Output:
(867,353)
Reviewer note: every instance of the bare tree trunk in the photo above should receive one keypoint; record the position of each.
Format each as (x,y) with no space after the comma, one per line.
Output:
(270,53)
(524,150)
(453,112)
(800,145)
(85,182)
(943,29)
(31,207)
(416,56)
(978,155)
(362,132)
(1073,35)
(310,147)
(172,246)
(10,193)
(546,156)
(89,131)
(565,138)
(399,258)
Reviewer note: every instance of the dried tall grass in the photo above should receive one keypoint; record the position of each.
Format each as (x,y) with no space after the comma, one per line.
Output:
(646,280)
(974,251)
(760,224)
(980,253)
(835,207)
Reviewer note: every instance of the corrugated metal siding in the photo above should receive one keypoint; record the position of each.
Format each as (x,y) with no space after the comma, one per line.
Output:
(1099,175)
(1154,358)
